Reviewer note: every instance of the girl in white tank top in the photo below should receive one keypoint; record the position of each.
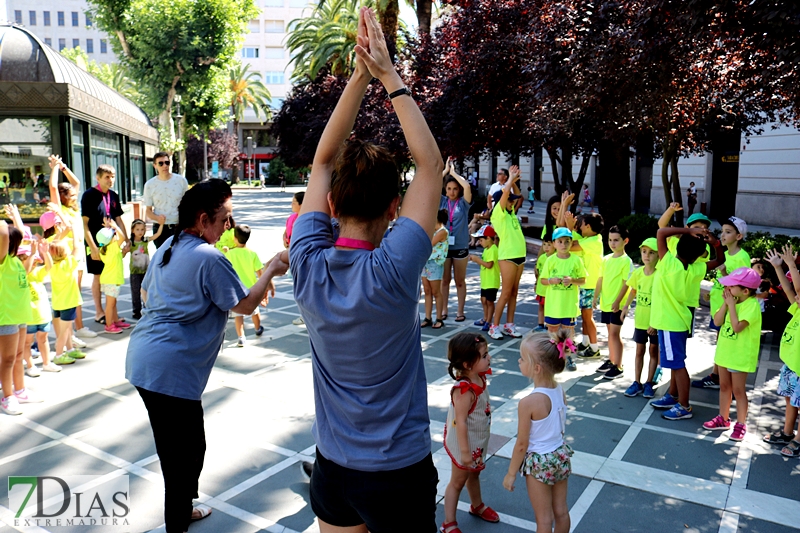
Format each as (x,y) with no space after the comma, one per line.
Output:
(540,454)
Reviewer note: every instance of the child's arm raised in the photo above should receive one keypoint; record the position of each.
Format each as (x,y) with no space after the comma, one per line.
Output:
(44,253)
(55,164)
(665,233)
(13,214)
(3,241)
(524,411)
(464,184)
(666,218)
(776,260)
(462,401)
(790,258)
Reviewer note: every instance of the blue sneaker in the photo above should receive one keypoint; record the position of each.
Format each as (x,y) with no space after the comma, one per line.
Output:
(649,391)
(634,390)
(486,326)
(571,366)
(539,329)
(481,322)
(678,412)
(665,402)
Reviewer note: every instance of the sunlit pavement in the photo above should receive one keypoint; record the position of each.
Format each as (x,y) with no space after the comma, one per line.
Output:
(632,470)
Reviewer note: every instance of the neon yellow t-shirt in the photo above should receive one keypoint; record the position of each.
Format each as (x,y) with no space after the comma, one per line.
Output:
(541,290)
(512,241)
(490,277)
(562,301)
(693,284)
(592,255)
(64,278)
(643,285)
(40,303)
(790,343)
(739,351)
(245,262)
(113,273)
(732,262)
(226,240)
(15,293)
(668,311)
(615,272)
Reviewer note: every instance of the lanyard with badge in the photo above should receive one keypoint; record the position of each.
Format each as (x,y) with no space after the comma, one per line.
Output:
(106,201)
(451,240)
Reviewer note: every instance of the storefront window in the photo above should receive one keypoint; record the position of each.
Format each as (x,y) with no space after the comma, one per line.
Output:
(137,170)
(105,151)
(25,144)
(78,166)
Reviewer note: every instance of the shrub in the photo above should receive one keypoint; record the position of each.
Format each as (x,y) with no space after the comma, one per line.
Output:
(758,242)
(278,167)
(640,227)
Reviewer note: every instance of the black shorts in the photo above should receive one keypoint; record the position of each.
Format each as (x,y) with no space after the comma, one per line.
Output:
(345,497)
(489,294)
(454,253)
(640,336)
(691,326)
(92,266)
(517,260)
(609,317)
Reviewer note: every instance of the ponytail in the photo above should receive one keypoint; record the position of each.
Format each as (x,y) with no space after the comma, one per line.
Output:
(205,197)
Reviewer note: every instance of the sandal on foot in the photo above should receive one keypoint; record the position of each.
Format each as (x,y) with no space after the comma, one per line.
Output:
(779,437)
(425,323)
(486,513)
(791,450)
(460,318)
(444,316)
(204,511)
(438,324)
(446,528)
(101,320)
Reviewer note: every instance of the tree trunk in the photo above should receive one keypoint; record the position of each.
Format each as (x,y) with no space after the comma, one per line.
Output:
(671,183)
(553,156)
(424,8)
(676,189)
(237,162)
(613,185)
(389,18)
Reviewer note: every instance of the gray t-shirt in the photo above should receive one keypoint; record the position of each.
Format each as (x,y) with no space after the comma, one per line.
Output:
(457,221)
(174,345)
(165,196)
(362,314)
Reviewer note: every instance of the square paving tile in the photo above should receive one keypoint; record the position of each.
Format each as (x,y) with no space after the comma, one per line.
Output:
(748,524)
(130,438)
(605,402)
(507,385)
(434,369)
(288,502)
(621,509)
(591,435)
(775,474)
(692,425)
(84,412)
(16,438)
(683,455)
(505,359)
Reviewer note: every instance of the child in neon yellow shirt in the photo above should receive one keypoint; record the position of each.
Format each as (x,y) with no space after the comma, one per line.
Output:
(545,252)
(249,268)
(490,274)
(610,290)
(113,276)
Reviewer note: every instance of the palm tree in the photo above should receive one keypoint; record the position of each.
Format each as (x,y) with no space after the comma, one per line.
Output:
(247,90)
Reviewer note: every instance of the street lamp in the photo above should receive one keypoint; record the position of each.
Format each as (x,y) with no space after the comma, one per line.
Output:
(177,100)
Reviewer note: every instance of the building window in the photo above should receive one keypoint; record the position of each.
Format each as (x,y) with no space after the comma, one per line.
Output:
(103,46)
(250,52)
(32,17)
(89,46)
(75,18)
(76,43)
(60,18)
(273,26)
(273,52)
(48,41)
(273,3)
(62,43)
(255,26)
(105,151)
(18,16)
(298,3)
(46,18)
(273,77)
(88,20)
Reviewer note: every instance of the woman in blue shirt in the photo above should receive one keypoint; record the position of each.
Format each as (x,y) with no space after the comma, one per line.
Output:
(456,201)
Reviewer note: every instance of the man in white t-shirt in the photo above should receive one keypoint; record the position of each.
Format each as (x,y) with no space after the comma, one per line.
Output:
(162,195)
(502,178)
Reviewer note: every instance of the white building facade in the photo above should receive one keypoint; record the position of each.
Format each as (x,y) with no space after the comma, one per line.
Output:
(61,24)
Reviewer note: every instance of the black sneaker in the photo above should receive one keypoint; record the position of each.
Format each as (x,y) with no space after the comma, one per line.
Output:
(136,316)
(581,347)
(589,353)
(613,373)
(307,467)
(707,382)
(606,366)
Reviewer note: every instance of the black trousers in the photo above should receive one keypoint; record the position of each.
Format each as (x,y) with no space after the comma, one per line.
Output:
(181,446)
(169,229)
(136,292)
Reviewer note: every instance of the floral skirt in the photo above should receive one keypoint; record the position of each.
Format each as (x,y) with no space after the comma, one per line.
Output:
(549,468)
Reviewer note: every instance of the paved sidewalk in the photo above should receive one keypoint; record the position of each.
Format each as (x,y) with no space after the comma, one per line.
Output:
(633,471)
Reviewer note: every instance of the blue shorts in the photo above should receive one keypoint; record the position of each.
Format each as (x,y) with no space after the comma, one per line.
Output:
(789,386)
(38,327)
(712,326)
(586,297)
(672,347)
(569,322)
(66,314)
(433,271)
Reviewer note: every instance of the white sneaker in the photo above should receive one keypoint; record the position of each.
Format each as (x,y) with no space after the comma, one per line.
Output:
(77,343)
(51,367)
(86,333)
(298,321)
(27,396)
(495,333)
(35,353)
(511,330)
(33,372)
(240,344)
(10,405)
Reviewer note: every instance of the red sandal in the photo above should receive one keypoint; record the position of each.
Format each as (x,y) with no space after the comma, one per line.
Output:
(454,525)
(486,513)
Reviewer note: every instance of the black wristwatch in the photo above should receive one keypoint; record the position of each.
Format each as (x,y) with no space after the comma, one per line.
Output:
(400,92)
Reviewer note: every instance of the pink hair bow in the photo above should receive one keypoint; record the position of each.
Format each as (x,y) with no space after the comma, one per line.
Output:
(569,345)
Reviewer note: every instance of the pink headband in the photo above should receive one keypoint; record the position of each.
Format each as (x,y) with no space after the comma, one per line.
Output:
(568,343)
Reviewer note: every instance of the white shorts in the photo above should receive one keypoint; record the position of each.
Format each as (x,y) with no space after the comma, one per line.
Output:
(110,290)
(254,313)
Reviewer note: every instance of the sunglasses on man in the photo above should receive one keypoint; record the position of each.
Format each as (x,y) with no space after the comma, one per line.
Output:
(163,163)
